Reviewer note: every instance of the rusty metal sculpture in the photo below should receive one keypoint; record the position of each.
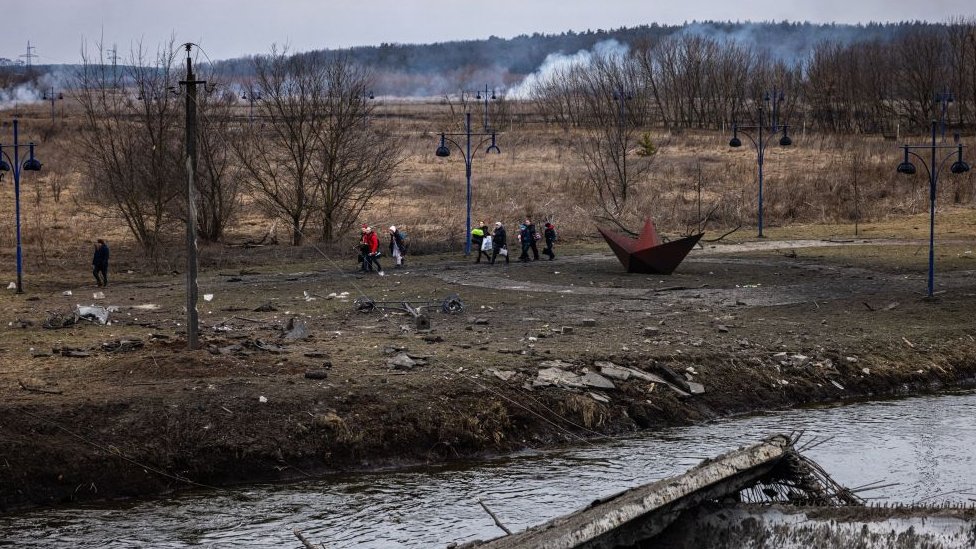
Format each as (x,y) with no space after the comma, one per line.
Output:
(647,253)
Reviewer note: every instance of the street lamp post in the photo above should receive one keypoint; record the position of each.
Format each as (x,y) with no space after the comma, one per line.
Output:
(760,138)
(251,98)
(934,167)
(31,164)
(50,96)
(466,152)
(485,97)
(944,98)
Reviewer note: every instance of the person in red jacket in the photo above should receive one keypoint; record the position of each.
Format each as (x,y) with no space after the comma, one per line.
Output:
(371,249)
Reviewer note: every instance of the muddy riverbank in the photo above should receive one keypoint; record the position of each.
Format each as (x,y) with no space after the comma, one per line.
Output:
(84,416)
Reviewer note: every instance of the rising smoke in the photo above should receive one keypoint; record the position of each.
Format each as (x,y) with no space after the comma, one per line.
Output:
(556,63)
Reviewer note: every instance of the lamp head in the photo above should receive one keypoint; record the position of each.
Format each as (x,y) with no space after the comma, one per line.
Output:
(958,167)
(735,141)
(4,167)
(371,96)
(493,147)
(785,141)
(32,164)
(442,150)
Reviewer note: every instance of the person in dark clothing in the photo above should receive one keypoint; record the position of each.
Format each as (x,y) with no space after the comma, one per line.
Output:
(499,242)
(398,247)
(550,236)
(100,263)
(533,236)
(527,236)
(478,241)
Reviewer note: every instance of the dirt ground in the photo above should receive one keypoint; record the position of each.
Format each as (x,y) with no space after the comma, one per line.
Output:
(93,411)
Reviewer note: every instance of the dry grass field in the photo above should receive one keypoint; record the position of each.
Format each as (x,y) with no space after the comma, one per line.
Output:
(811,314)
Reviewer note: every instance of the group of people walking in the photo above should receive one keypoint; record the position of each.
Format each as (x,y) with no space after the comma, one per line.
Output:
(487,243)
(369,249)
(497,241)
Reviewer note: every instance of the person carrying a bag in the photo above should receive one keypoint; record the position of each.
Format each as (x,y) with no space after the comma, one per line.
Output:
(498,243)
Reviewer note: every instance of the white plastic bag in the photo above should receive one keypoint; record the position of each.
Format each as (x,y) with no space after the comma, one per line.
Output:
(486,244)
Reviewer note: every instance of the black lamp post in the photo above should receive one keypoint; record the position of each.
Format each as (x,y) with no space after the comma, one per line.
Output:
(50,96)
(485,97)
(761,134)
(944,98)
(934,167)
(251,98)
(444,151)
(31,164)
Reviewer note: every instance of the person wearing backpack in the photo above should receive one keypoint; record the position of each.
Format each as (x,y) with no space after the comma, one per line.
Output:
(550,236)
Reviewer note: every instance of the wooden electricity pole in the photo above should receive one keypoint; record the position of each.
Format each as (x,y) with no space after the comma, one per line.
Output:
(192,317)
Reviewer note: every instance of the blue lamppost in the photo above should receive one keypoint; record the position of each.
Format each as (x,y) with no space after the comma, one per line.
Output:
(251,98)
(761,141)
(31,164)
(934,167)
(944,98)
(444,151)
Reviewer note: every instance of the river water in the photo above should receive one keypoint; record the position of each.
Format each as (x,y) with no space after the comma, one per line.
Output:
(925,444)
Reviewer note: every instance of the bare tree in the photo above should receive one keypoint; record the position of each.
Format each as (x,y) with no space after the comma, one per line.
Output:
(354,160)
(130,139)
(318,158)
(219,178)
(279,157)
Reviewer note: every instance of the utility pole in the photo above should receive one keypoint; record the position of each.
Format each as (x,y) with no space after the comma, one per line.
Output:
(192,317)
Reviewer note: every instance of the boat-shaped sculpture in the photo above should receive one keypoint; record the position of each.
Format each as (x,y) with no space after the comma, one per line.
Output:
(647,253)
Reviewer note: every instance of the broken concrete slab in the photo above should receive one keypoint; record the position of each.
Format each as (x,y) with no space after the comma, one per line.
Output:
(559,377)
(613,371)
(588,322)
(595,380)
(599,398)
(696,388)
(561,364)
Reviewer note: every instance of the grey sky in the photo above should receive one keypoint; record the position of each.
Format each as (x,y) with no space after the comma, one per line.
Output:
(233,28)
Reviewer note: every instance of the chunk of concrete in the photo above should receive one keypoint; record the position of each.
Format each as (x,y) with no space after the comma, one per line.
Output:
(557,376)
(595,380)
(402,361)
(588,322)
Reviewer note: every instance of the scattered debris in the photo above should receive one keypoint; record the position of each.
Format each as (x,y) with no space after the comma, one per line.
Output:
(838,385)
(296,329)
(267,347)
(402,361)
(146,307)
(320,373)
(92,313)
(66,293)
(262,399)
(122,345)
(316,354)
(650,331)
(98,295)
(12,286)
(599,398)
(265,308)
(566,330)
(503,375)
(208,297)
(71,352)
(588,322)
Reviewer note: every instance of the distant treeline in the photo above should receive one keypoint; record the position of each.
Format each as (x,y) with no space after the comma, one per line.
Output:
(862,78)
